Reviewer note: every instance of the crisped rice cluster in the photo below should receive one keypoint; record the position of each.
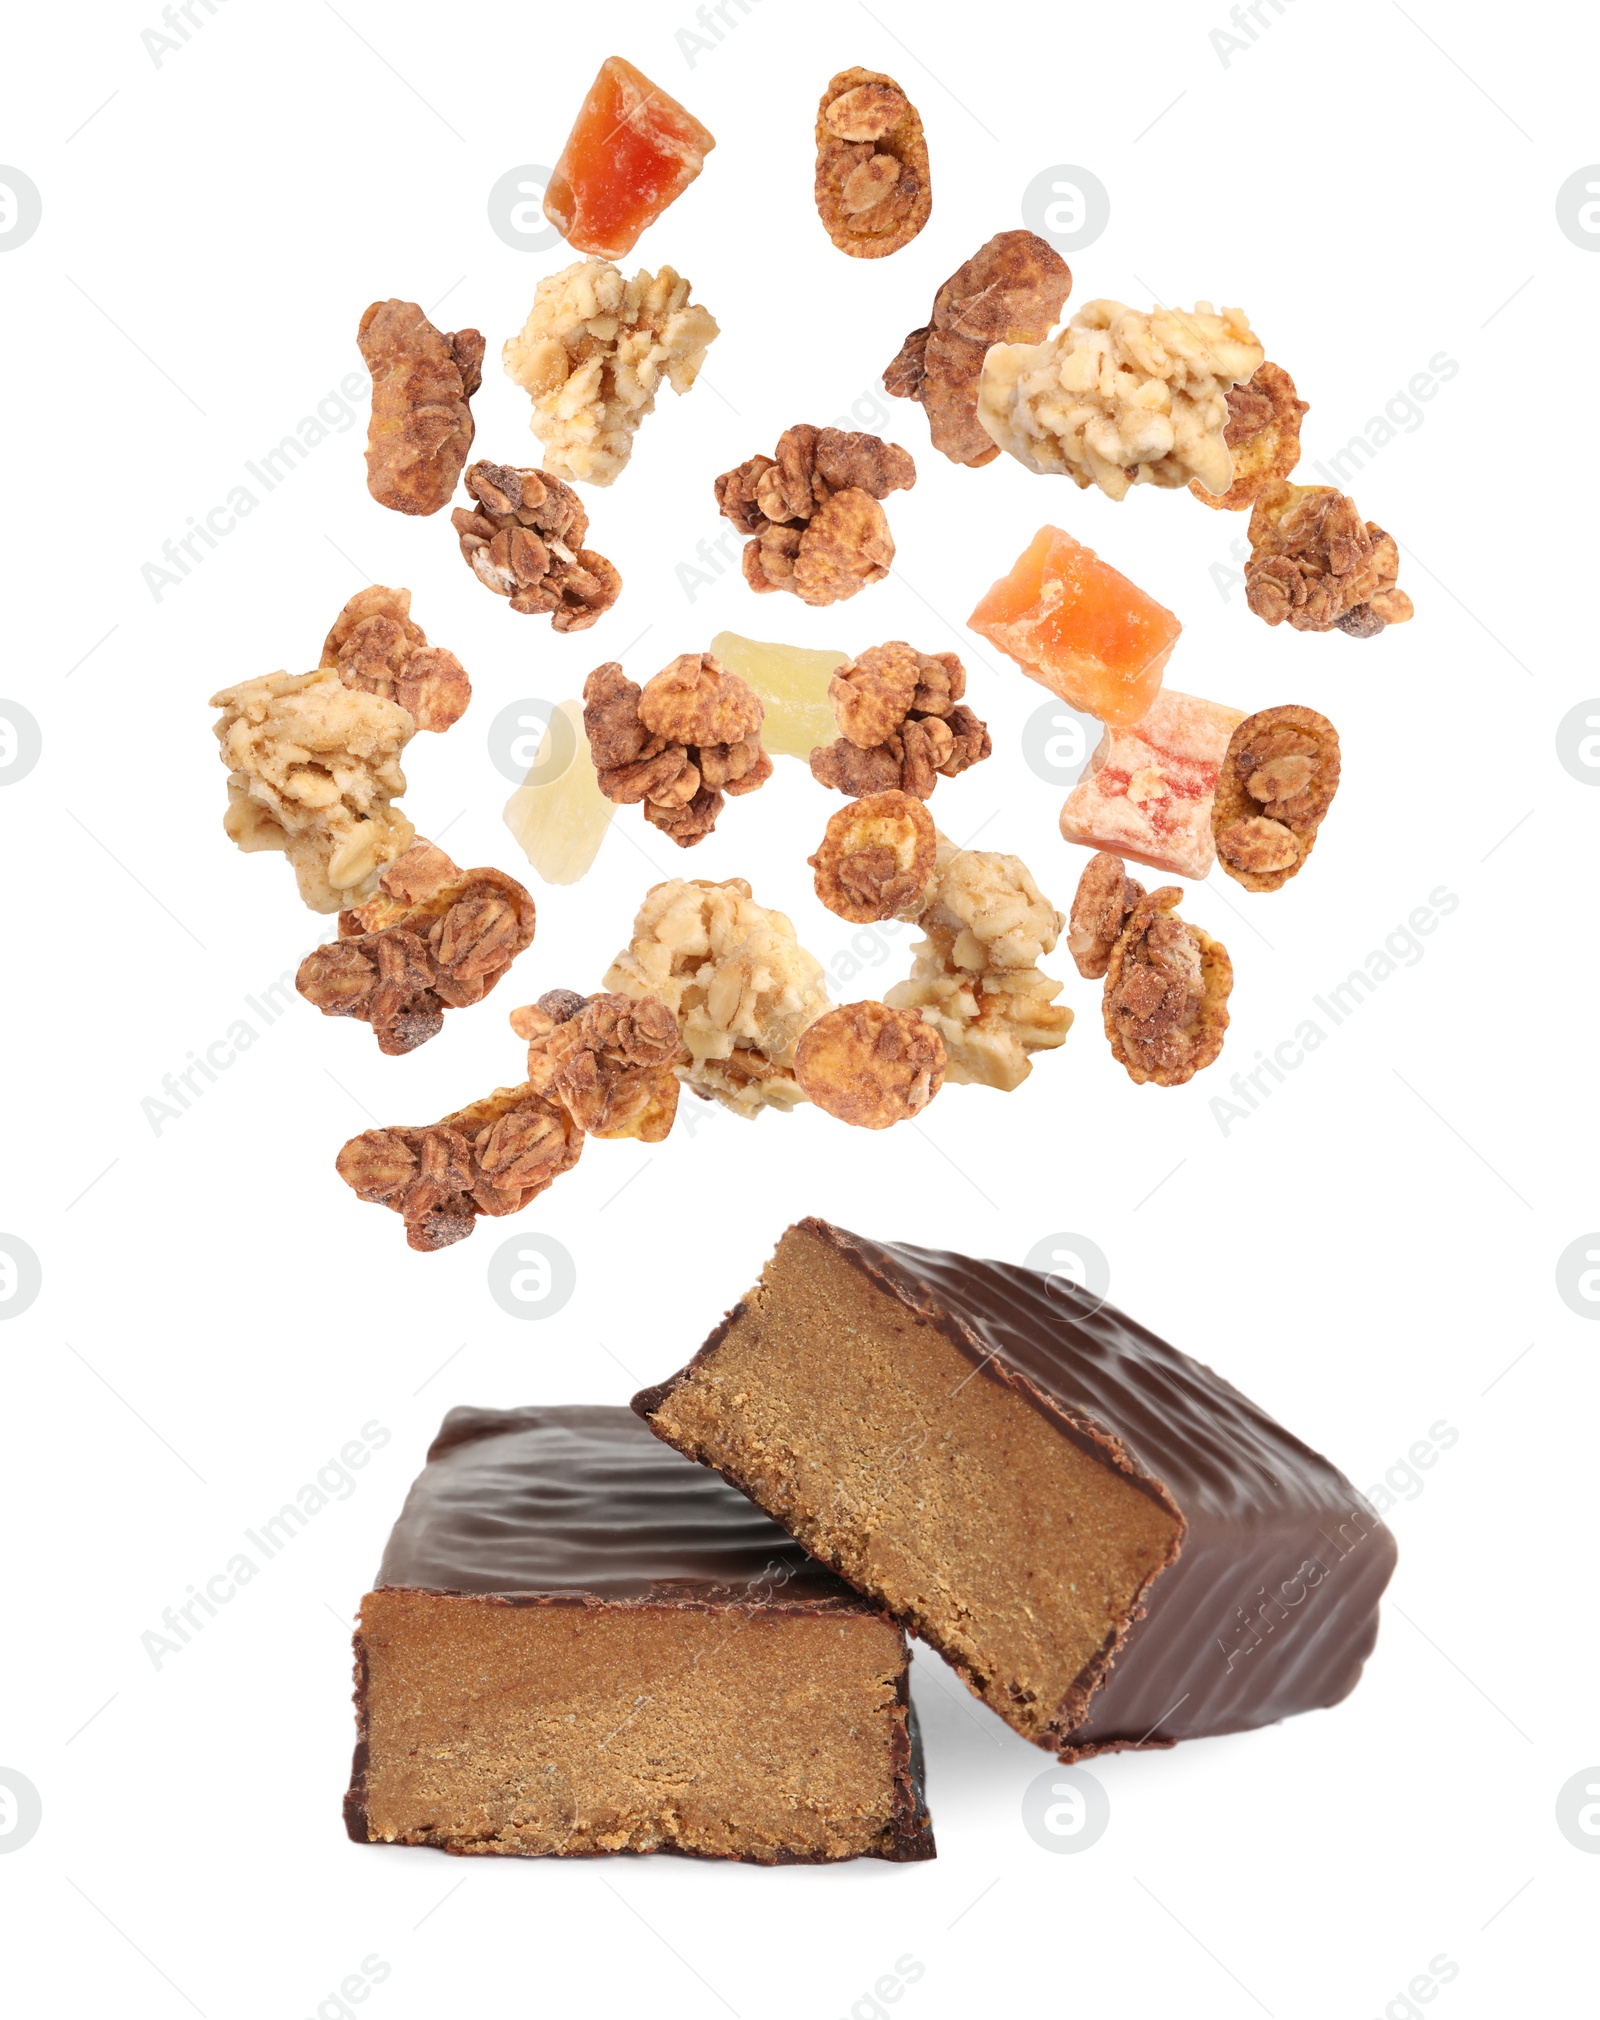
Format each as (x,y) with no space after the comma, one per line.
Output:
(313,767)
(975,976)
(738,981)
(1120,397)
(592,356)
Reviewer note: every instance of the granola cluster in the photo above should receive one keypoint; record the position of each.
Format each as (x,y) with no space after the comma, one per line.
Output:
(1165,1003)
(676,745)
(592,356)
(1120,397)
(491,1157)
(1315,564)
(903,725)
(436,938)
(376,647)
(1276,784)
(876,858)
(1263,437)
(523,538)
(737,980)
(869,1065)
(1101,905)
(1010,292)
(607,1059)
(421,428)
(813,510)
(872,189)
(313,771)
(975,976)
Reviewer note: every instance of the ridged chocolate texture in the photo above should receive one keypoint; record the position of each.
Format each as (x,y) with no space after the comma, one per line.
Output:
(1272,1605)
(584,1500)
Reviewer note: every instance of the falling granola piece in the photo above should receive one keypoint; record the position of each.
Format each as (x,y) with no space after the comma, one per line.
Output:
(436,938)
(1277,782)
(1146,792)
(677,745)
(904,725)
(492,1157)
(876,858)
(1165,1004)
(1315,564)
(1119,398)
(313,771)
(421,429)
(558,814)
(1010,292)
(592,356)
(608,1059)
(792,682)
(869,1065)
(376,647)
(813,509)
(524,539)
(975,977)
(872,189)
(632,151)
(739,983)
(1105,896)
(1079,628)
(1263,437)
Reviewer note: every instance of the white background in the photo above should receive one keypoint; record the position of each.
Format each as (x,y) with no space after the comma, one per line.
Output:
(1370,1254)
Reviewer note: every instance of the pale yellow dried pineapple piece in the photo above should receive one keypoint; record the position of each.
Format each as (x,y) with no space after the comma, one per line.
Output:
(792,681)
(558,814)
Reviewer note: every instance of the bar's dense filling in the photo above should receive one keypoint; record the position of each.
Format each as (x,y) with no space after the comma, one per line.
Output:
(733,1732)
(927,1481)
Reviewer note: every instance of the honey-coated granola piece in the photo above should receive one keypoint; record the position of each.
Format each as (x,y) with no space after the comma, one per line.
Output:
(313,771)
(1276,784)
(633,149)
(1120,397)
(608,1059)
(737,980)
(376,647)
(904,725)
(421,429)
(1105,897)
(1009,292)
(676,745)
(1263,437)
(812,507)
(1316,565)
(877,857)
(869,1065)
(436,938)
(872,188)
(592,356)
(975,976)
(523,539)
(492,1157)
(1165,1004)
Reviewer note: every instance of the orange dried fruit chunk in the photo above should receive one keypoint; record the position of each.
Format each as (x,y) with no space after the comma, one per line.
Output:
(631,151)
(1079,628)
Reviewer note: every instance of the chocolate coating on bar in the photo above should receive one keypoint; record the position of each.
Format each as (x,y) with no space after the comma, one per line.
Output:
(1271,1606)
(582,1505)
(583,1500)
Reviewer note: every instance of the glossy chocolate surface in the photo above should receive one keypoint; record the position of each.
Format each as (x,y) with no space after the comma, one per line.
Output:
(581,1500)
(1272,1605)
